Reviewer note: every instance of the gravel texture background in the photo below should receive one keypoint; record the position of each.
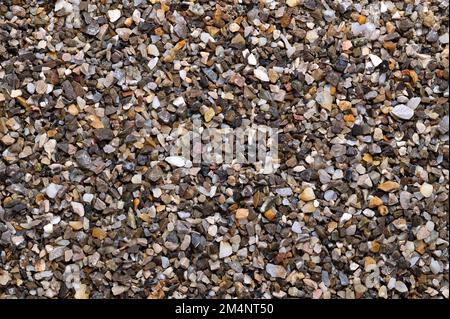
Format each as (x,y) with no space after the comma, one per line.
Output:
(92,92)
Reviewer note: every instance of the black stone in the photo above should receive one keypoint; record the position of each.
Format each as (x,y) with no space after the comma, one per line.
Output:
(357,130)
(341,64)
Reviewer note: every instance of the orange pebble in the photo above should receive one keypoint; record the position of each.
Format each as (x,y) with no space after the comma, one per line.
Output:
(361,19)
(349,118)
(270,214)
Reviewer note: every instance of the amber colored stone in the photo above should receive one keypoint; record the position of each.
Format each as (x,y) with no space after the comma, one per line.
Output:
(375,247)
(389,186)
(136,203)
(98,233)
(22,101)
(361,19)
(349,118)
(76,225)
(367,158)
(375,202)
(420,246)
(270,214)
(389,45)
(383,210)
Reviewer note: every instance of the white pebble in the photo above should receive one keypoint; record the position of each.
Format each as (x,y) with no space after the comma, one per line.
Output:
(426,189)
(52,189)
(225,249)
(311,36)
(114,15)
(345,217)
(157,192)
(87,198)
(234,27)
(400,286)
(177,161)
(212,230)
(376,61)
(152,63)
(155,103)
(31,88)
(413,103)
(296,228)
(435,267)
(368,212)
(50,146)
(444,38)
(261,74)
(152,50)
(78,208)
(16,93)
(48,229)
(403,112)
(136,179)
(251,59)
(179,101)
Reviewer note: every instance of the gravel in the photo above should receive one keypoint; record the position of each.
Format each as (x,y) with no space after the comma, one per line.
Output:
(98,201)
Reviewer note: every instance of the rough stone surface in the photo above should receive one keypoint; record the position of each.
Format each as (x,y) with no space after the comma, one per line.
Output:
(99,200)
